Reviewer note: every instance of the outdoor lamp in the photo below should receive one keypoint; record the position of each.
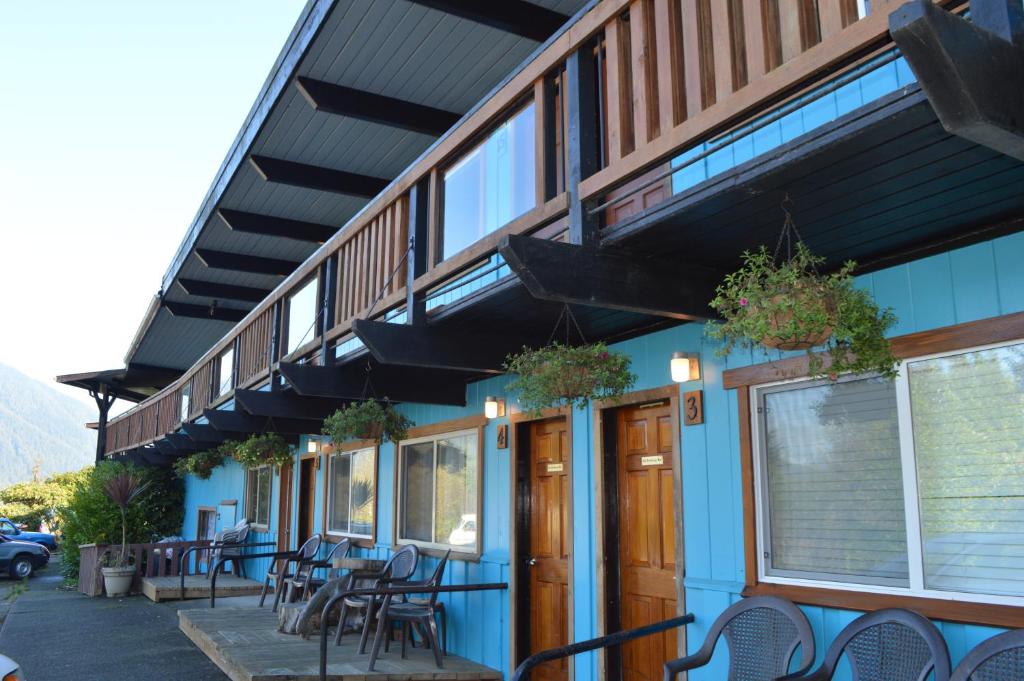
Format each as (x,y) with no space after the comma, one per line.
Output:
(493,407)
(685,366)
(311,445)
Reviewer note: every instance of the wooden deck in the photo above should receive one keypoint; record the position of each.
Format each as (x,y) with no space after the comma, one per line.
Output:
(198,586)
(245,644)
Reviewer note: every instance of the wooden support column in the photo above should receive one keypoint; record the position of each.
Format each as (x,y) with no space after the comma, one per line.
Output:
(274,348)
(419,244)
(581,141)
(329,289)
(103,399)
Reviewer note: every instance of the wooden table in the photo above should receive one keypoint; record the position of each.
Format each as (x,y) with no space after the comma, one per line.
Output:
(367,564)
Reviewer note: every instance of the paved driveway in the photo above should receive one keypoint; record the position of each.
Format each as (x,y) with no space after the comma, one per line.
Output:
(59,635)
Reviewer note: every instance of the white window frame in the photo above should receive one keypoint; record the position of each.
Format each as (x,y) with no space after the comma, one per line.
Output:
(862,8)
(250,511)
(223,386)
(330,494)
(186,401)
(911,504)
(475,550)
(289,336)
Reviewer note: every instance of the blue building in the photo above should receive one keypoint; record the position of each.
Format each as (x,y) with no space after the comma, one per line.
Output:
(424,187)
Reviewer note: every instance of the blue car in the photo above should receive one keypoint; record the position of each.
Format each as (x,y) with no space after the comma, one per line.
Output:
(12,531)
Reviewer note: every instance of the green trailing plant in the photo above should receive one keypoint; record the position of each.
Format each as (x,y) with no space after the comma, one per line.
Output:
(368,420)
(561,375)
(202,464)
(263,450)
(123,489)
(90,517)
(789,306)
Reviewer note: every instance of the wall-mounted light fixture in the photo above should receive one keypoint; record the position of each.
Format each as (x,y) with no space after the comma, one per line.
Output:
(312,445)
(493,407)
(685,366)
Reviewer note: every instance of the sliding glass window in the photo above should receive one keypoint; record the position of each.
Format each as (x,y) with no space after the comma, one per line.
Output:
(302,309)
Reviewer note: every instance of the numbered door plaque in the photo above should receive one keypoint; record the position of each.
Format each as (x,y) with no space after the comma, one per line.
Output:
(693,408)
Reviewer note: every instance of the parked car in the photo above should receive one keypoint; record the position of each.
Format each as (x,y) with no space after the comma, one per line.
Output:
(19,559)
(10,529)
(9,670)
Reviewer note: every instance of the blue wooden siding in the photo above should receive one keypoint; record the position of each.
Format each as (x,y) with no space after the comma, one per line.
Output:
(968,284)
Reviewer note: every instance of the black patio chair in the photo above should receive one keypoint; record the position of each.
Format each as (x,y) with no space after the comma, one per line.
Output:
(1000,658)
(307,582)
(887,645)
(423,616)
(280,568)
(763,633)
(399,568)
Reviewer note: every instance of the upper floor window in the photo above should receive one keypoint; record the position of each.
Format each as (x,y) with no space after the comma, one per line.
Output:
(186,400)
(225,373)
(491,185)
(863,8)
(257,496)
(351,493)
(302,316)
(909,486)
(438,492)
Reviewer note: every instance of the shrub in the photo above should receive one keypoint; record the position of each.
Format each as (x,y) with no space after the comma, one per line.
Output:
(367,420)
(260,450)
(562,375)
(35,503)
(90,517)
(201,464)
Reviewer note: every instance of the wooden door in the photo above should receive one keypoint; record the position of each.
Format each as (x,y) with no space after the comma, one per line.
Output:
(550,543)
(284,510)
(647,535)
(307,498)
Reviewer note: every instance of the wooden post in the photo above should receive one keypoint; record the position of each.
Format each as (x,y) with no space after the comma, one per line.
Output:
(103,399)
(419,241)
(581,141)
(329,288)
(274,346)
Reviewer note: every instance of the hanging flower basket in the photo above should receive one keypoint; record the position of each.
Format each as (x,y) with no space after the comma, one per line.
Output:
(789,306)
(202,464)
(368,420)
(560,375)
(263,450)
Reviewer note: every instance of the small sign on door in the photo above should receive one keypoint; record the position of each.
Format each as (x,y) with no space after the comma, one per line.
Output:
(556,467)
(652,460)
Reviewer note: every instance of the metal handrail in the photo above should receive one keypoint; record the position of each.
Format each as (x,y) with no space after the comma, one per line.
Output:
(210,547)
(618,638)
(389,591)
(276,555)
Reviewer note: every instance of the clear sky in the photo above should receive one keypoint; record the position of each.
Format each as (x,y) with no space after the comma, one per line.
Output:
(114,118)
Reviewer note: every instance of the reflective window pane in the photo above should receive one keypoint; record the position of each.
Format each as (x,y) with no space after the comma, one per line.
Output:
(362,493)
(417,491)
(226,369)
(338,520)
(834,483)
(301,316)
(968,419)
(491,185)
(455,512)
(257,494)
(186,399)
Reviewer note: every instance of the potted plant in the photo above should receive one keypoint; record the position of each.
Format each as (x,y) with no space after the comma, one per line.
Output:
(201,464)
(789,306)
(559,375)
(122,489)
(368,420)
(261,450)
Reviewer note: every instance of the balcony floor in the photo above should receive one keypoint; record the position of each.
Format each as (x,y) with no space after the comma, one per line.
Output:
(245,644)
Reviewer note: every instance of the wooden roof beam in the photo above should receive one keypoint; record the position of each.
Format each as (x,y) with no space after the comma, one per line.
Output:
(367,106)
(397,383)
(610,278)
(209,312)
(286,405)
(268,225)
(240,262)
(241,424)
(973,75)
(512,16)
(316,177)
(437,348)
(212,289)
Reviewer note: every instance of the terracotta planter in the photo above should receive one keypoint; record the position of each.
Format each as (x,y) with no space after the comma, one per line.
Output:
(372,432)
(117,581)
(804,340)
(573,382)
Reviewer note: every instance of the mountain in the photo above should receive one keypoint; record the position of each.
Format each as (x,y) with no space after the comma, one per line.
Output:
(39,425)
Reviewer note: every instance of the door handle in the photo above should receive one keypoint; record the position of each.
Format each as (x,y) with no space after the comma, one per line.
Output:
(531,561)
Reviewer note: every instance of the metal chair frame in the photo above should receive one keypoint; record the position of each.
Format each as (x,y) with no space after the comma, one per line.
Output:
(278,570)
(987,652)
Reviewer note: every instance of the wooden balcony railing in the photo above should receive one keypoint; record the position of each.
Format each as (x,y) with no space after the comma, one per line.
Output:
(674,74)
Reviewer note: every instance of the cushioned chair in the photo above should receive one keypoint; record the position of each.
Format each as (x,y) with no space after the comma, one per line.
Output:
(409,614)
(399,568)
(280,569)
(1000,658)
(887,645)
(762,633)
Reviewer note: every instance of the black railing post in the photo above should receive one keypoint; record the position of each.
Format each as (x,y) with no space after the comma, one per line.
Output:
(419,240)
(581,143)
(330,290)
